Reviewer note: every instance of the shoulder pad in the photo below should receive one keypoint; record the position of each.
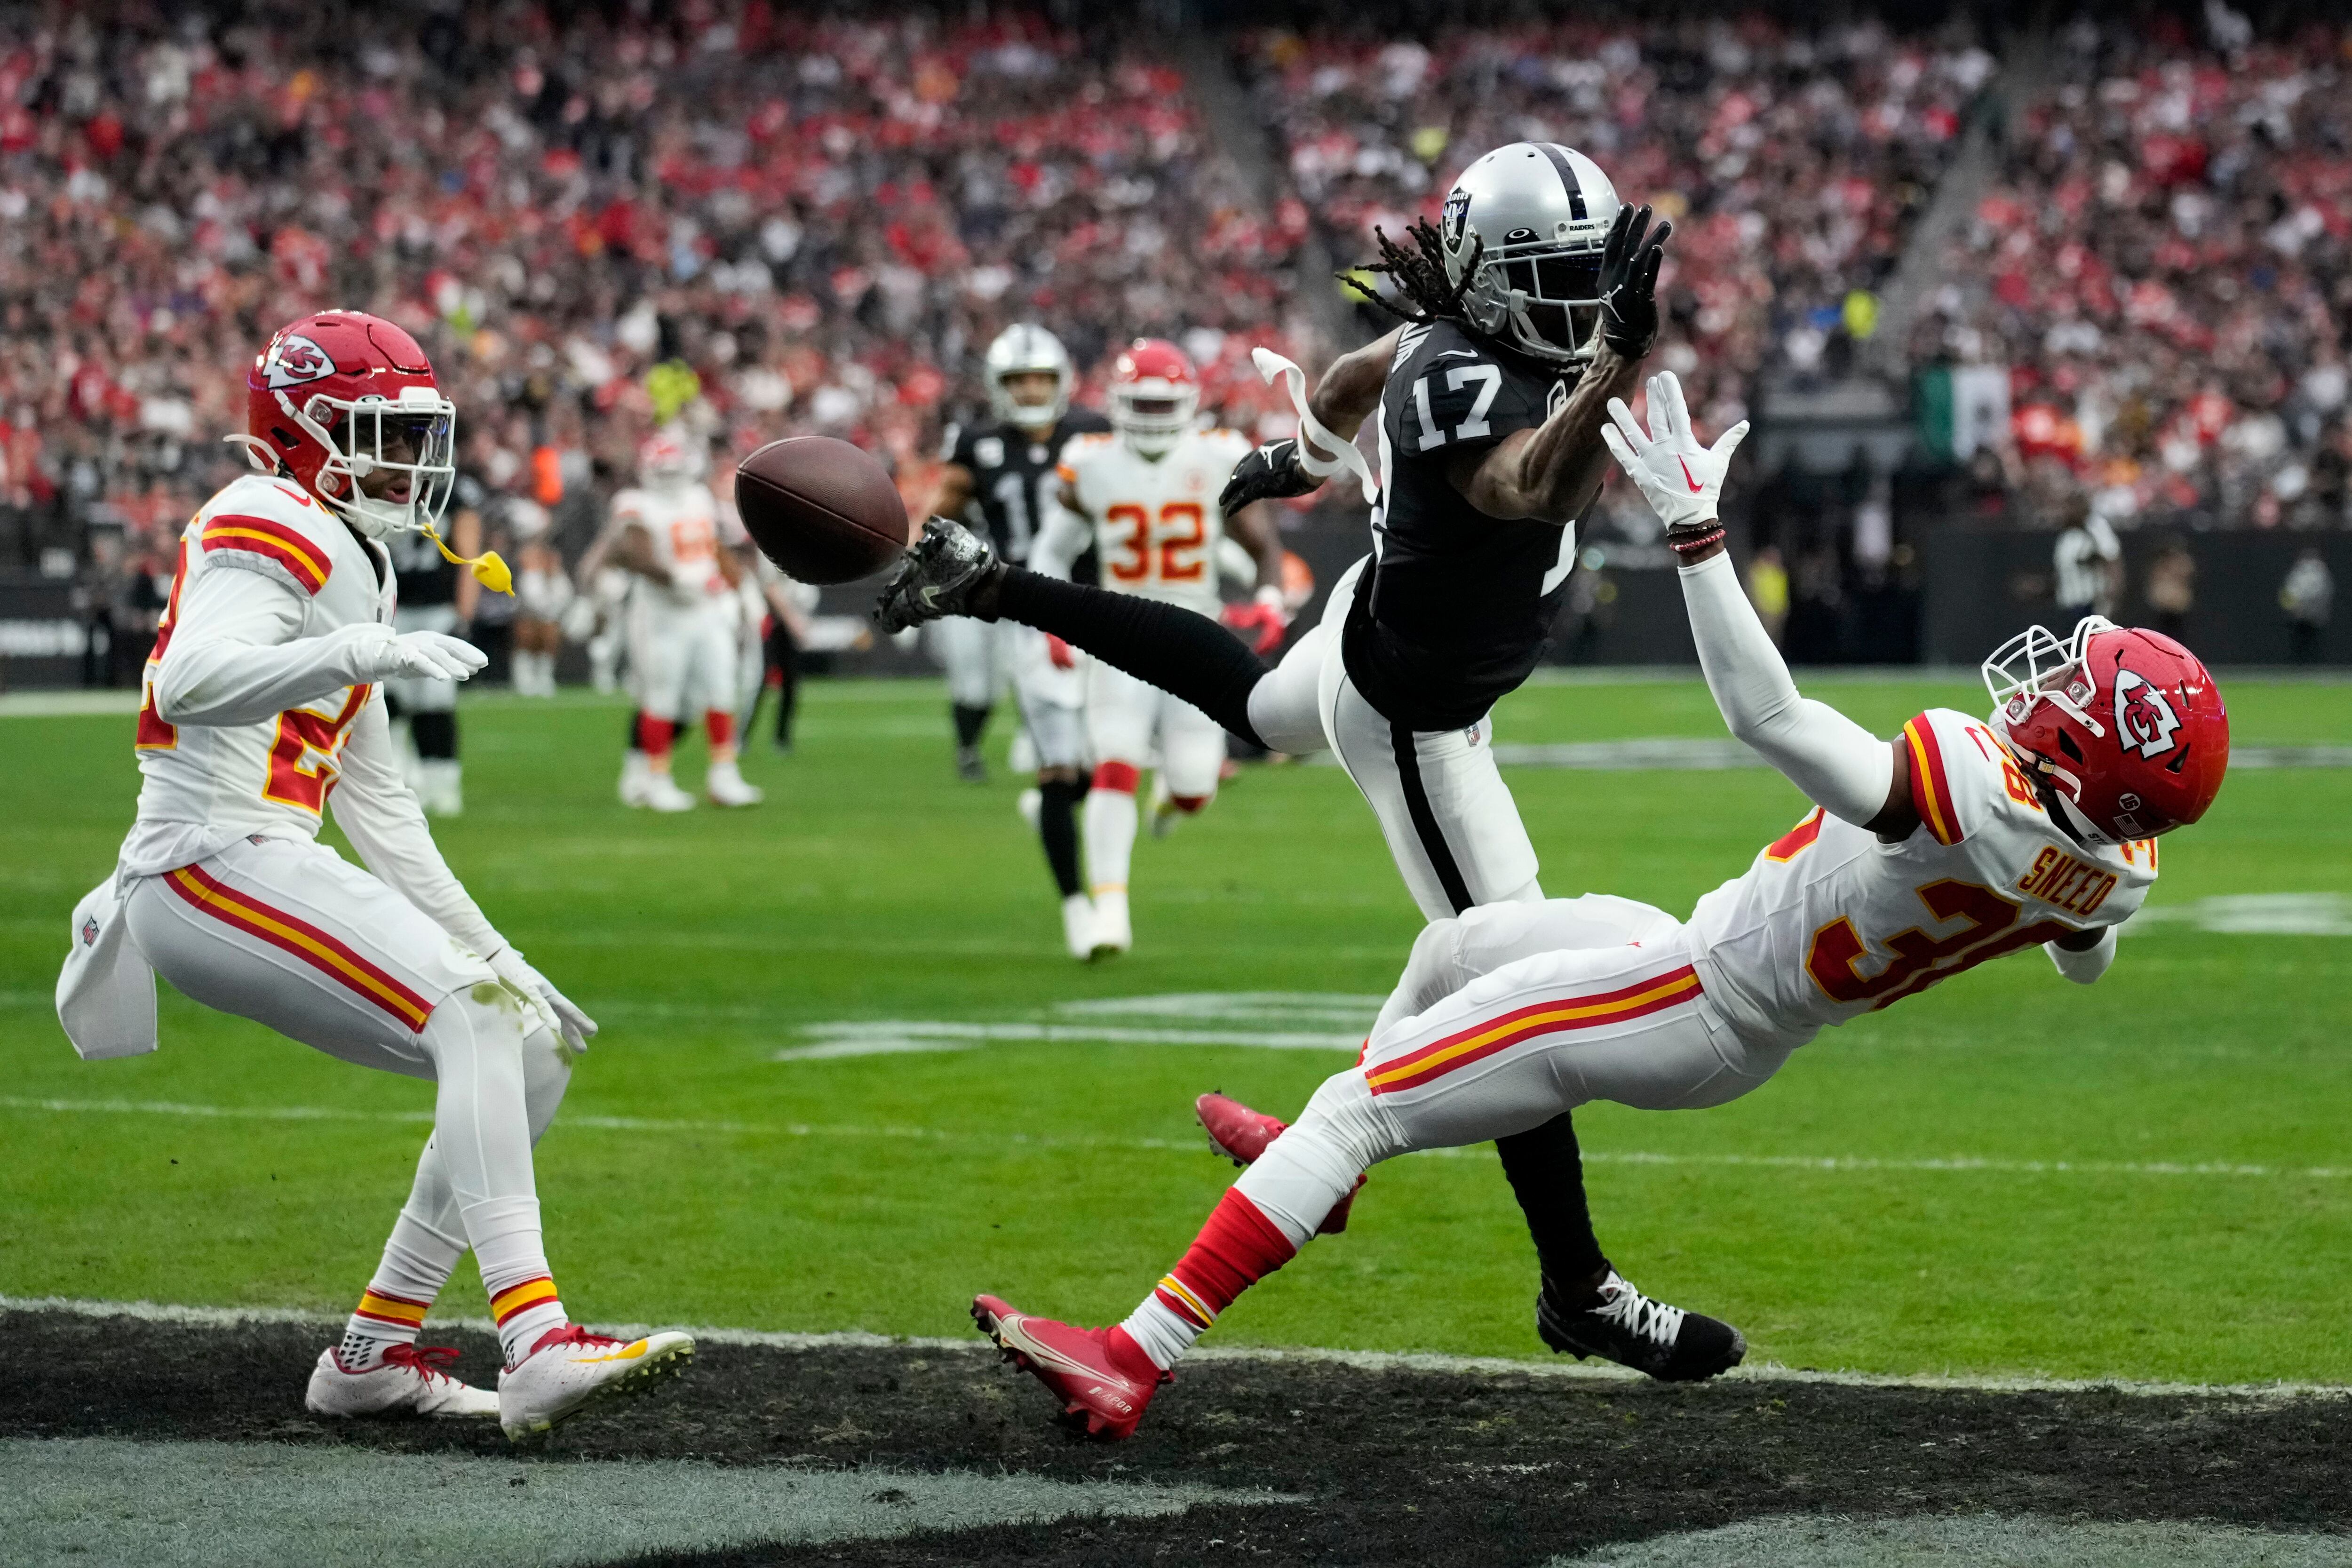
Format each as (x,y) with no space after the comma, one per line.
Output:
(272,527)
(1961,776)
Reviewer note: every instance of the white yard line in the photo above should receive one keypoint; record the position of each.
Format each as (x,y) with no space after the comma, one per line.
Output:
(1368,1361)
(1832,1164)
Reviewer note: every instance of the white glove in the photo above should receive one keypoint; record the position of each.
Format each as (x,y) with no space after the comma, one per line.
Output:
(1682,479)
(559,1012)
(428,654)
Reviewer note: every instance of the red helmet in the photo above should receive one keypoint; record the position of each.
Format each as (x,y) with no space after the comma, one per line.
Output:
(341,396)
(2126,725)
(1154,394)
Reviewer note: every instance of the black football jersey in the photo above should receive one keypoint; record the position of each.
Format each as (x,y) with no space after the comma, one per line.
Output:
(1456,606)
(1012,475)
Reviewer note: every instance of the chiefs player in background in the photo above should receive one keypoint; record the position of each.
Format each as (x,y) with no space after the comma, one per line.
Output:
(1144,499)
(684,622)
(1959,841)
(263,702)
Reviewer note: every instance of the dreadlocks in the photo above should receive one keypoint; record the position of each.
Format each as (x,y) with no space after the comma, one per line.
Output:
(1419,275)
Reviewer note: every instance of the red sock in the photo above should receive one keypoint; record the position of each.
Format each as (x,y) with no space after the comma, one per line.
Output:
(1121,777)
(1235,1250)
(655,736)
(720,727)
(1188,804)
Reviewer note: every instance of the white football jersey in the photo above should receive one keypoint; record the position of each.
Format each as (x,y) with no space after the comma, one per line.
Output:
(203,784)
(1830,922)
(1157,522)
(683,524)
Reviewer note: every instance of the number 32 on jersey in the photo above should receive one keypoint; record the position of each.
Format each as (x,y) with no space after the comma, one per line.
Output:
(1169,548)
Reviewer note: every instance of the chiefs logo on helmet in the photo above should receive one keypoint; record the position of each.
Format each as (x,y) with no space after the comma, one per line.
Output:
(2145,718)
(295,358)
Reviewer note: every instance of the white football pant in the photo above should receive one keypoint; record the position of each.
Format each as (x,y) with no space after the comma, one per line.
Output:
(1551,1005)
(684,658)
(294,937)
(1125,718)
(1449,819)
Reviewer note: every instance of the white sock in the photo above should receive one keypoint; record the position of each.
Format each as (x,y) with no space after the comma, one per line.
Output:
(1163,1334)
(1110,818)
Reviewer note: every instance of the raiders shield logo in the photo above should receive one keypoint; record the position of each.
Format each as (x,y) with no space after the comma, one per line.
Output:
(2144,722)
(1456,215)
(295,358)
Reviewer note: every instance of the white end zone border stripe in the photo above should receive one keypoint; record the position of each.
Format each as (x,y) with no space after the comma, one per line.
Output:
(1829,1165)
(1365,1361)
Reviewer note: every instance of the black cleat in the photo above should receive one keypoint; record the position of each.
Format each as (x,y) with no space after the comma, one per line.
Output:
(937,577)
(970,767)
(1618,1323)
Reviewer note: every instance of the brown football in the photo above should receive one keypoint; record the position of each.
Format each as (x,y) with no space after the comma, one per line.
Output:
(822,509)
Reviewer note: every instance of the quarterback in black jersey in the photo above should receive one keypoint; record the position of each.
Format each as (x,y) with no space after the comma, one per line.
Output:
(1000,476)
(1526,309)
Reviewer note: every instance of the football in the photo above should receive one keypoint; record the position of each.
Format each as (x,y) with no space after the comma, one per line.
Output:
(822,509)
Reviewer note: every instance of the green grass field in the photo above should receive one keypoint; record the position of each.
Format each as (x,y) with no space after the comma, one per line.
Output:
(2006,1175)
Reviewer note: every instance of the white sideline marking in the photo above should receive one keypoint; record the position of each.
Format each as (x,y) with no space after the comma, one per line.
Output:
(1828,1164)
(2253,914)
(1317,1021)
(1367,1361)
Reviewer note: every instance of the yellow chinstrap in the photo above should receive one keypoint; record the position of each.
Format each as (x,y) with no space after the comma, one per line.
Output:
(489,568)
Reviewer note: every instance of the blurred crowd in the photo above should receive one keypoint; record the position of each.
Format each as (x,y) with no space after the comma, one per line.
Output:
(1790,162)
(763,222)
(2164,268)
(767,223)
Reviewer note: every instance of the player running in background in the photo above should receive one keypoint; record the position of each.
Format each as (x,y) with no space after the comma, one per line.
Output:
(1144,499)
(435,597)
(1000,476)
(1529,307)
(262,703)
(1958,842)
(683,615)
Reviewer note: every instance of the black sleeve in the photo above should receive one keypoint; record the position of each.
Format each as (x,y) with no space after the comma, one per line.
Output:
(1183,654)
(957,447)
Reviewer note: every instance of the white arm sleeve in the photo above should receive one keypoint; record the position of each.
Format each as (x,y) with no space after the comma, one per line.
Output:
(1838,765)
(235,658)
(379,813)
(2087,964)
(1060,542)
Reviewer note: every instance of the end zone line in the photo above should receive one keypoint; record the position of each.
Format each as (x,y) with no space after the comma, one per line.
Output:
(1361,1360)
(1826,1163)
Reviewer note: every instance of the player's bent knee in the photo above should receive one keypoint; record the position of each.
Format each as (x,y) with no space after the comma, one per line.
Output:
(1344,1111)
(546,1073)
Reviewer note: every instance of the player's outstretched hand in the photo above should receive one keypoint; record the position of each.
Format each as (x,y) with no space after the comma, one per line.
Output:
(1272,472)
(1262,622)
(560,1013)
(1682,481)
(428,654)
(1629,280)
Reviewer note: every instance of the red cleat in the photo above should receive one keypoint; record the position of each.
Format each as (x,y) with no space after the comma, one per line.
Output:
(1240,1135)
(1102,1377)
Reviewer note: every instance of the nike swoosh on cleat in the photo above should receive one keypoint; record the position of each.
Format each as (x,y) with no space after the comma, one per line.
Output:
(1696,489)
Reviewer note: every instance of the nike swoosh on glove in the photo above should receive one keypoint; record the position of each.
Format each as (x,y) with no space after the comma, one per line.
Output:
(1682,481)
(432,654)
(1272,472)
(560,1015)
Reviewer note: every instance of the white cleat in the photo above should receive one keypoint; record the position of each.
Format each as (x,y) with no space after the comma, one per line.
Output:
(725,785)
(635,776)
(662,793)
(411,1381)
(1030,803)
(1079,927)
(1112,931)
(570,1366)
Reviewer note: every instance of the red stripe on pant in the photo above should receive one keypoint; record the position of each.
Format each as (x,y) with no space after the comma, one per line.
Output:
(323,952)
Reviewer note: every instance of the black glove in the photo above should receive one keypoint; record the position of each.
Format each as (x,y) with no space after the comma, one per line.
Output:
(1629,281)
(1270,473)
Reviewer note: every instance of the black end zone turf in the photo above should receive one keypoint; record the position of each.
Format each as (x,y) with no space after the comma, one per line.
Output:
(1402,1467)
